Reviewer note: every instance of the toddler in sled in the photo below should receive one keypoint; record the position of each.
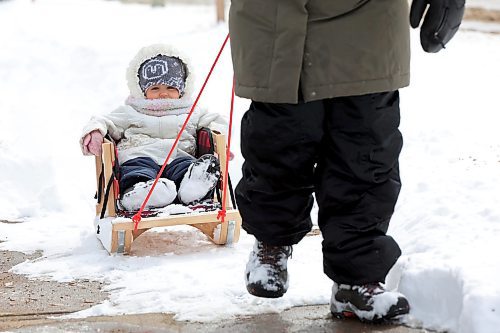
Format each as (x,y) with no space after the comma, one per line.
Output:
(145,128)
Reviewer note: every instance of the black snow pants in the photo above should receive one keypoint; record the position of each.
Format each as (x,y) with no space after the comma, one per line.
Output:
(343,149)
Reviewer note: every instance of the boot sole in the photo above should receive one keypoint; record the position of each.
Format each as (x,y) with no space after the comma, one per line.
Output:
(259,292)
(393,319)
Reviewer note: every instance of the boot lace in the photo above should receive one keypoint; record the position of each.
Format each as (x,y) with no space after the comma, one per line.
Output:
(369,289)
(271,254)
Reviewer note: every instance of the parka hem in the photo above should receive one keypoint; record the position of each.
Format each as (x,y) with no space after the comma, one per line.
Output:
(267,95)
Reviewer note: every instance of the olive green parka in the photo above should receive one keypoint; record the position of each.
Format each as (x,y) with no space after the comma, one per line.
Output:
(325,48)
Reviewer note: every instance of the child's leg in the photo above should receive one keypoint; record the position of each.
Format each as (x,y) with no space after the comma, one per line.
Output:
(357,186)
(176,169)
(280,144)
(137,178)
(140,169)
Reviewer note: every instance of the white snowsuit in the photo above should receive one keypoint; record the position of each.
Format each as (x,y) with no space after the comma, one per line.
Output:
(148,128)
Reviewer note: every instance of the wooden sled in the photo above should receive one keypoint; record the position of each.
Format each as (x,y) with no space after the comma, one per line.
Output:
(116,233)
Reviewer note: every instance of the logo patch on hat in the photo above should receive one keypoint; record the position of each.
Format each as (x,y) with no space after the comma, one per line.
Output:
(154,69)
(162,69)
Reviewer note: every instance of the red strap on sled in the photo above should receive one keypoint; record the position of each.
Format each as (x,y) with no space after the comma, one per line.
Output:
(138,216)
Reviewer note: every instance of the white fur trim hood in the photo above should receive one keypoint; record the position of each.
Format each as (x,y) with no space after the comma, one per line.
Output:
(149,52)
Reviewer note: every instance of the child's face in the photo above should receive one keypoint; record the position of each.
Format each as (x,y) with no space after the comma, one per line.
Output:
(162,91)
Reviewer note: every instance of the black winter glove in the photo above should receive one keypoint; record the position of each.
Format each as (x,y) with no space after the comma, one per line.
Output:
(441,21)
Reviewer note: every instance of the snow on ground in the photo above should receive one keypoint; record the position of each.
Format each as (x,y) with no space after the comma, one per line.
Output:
(63,61)
(486,4)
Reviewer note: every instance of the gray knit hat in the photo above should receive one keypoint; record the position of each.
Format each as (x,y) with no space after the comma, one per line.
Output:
(162,69)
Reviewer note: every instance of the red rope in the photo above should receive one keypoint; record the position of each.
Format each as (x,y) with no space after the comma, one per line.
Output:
(138,216)
(222,213)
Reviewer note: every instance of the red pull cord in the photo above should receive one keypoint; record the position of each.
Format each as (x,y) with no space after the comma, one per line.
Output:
(138,216)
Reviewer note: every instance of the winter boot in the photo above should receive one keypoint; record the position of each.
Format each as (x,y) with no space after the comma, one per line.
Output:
(163,194)
(369,303)
(200,178)
(266,272)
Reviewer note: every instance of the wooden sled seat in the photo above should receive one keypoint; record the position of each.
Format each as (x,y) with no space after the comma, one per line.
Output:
(116,230)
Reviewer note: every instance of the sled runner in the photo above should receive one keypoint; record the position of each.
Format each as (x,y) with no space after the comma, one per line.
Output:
(116,229)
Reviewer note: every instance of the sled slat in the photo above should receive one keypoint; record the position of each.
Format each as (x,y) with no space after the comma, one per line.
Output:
(194,218)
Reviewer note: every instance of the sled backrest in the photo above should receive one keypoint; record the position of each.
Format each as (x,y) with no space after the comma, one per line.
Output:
(204,142)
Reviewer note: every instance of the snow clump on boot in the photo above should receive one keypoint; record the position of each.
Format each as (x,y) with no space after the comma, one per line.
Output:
(266,273)
(163,194)
(202,176)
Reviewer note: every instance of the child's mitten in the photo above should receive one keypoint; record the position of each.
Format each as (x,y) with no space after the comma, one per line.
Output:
(92,143)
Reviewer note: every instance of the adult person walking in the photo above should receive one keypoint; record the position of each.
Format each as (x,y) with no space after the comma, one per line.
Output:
(323,77)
